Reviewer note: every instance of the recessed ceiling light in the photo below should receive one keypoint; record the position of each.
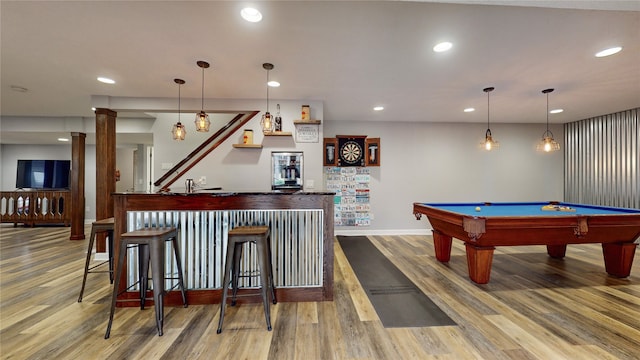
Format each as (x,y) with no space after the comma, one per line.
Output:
(378,108)
(273,83)
(469,110)
(609,51)
(106,80)
(443,46)
(251,14)
(63,139)
(556,111)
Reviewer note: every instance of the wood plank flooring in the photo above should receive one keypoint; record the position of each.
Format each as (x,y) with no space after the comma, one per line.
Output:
(534,307)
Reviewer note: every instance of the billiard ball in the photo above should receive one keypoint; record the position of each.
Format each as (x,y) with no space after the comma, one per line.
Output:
(478,208)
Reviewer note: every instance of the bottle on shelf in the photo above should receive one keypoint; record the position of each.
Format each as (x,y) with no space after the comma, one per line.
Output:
(278,120)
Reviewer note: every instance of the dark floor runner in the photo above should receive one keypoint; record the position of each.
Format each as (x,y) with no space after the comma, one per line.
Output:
(397,300)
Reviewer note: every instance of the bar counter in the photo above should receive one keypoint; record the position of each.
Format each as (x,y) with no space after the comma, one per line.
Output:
(301,239)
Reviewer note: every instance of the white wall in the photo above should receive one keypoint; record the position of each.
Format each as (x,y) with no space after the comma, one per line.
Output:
(124,163)
(437,162)
(236,169)
(420,162)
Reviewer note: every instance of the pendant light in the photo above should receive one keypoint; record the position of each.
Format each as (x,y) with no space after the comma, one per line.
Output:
(178,130)
(267,120)
(547,144)
(489,143)
(202,118)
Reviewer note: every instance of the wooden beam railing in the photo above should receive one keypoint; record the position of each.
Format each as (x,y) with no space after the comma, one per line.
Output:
(32,207)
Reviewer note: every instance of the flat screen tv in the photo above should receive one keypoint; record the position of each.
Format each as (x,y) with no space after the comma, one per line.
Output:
(43,174)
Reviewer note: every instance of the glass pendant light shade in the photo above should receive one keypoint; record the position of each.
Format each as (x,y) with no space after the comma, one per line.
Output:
(267,120)
(202,122)
(178,129)
(266,123)
(548,143)
(202,118)
(489,143)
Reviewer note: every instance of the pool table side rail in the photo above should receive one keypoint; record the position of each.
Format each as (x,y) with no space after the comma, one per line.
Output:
(618,235)
(533,230)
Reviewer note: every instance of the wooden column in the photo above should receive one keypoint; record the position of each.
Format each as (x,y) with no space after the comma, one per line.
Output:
(77,186)
(105,167)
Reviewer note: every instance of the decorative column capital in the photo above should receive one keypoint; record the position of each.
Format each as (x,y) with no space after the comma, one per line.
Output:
(107,112)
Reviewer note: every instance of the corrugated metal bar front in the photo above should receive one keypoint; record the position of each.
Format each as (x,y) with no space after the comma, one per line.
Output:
(602,156)
(296,245)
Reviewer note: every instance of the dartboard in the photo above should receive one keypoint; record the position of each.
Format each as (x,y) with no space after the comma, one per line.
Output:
(351,153)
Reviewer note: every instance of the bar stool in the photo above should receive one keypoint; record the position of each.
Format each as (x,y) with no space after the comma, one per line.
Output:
(97,227)
(151,248)
(259,235)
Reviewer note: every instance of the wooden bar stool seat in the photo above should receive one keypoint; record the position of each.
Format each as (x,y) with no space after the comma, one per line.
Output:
(151,249)
(237,237)
(97,227)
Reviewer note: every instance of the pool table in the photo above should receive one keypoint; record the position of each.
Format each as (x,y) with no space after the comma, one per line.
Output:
(483,226)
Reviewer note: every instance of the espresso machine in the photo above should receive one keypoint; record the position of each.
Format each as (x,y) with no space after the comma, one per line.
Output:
(286,170)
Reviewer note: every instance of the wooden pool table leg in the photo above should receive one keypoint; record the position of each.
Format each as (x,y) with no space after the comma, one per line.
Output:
(557,251)
(442,246)
(479,261)
(618,258)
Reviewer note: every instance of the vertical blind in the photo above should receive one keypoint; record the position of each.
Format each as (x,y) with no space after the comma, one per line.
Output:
(602,156)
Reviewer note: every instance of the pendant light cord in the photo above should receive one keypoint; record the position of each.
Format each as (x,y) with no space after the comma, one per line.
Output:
(488,90)
(202,104)
(547,112)
(547,91)
(488,110)
(268,67)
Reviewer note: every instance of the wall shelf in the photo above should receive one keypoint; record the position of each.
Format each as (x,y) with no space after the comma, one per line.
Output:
(277,133)
(248,146)
(259,146)
(308,122)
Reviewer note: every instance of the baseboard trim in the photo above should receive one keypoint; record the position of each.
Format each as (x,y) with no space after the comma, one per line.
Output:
(365,232)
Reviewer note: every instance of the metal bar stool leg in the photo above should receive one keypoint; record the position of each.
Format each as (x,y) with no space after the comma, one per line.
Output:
(143,272)
(116,284)
(157,252)
(110,247)
(273,291)
(235,271)
(264,279)
(176,251)
(225,284)
(98,227)
(86,264)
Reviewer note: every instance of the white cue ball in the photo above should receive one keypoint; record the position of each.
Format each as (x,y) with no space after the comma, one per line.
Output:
(478,208)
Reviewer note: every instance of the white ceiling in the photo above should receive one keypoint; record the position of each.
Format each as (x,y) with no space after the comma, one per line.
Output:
(352,55)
